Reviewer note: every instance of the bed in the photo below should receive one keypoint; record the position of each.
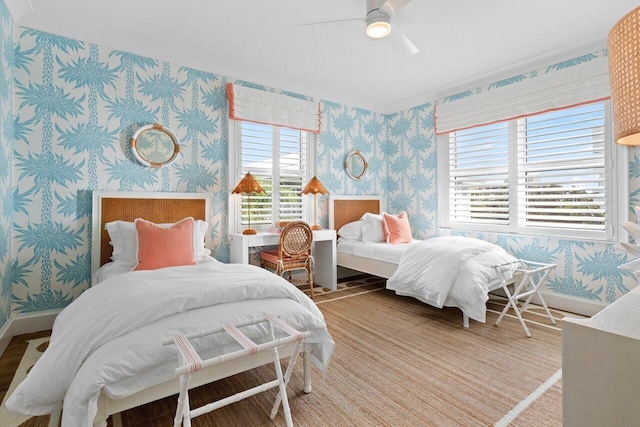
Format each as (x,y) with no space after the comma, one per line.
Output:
(110,338)
(473,277)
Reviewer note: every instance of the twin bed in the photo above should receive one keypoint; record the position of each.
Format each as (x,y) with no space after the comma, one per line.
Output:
(106,353)
(462,270)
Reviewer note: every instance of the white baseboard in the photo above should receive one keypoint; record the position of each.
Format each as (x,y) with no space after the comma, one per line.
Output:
(567,303)
(572,304)
(6,335)
(25,324)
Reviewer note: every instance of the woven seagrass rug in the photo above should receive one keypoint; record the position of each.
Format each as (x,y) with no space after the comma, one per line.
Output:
(397,362)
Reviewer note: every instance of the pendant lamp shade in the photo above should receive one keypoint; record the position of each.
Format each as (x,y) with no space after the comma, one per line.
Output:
(315,187)
(624,77)
(248,185)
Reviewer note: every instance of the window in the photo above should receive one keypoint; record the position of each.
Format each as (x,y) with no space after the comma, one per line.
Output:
(280,159)
(548,174)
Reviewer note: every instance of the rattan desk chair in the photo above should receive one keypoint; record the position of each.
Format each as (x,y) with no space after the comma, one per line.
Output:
(293,253)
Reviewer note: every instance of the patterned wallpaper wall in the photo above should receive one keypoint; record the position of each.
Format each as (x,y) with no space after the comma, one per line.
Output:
(6,149)
(77,105)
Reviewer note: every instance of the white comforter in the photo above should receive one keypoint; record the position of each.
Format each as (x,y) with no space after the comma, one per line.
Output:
(450,271)
(112,333)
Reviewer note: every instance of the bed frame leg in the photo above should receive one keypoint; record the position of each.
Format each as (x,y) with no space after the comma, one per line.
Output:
(306,363)
(102,414)
(54,418)
(465,320)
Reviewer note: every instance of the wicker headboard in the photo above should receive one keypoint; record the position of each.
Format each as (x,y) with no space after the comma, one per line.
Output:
(345,209)
(127,206)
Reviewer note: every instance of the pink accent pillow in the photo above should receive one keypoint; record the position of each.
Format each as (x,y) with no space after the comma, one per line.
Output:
(396,228)
(160,247)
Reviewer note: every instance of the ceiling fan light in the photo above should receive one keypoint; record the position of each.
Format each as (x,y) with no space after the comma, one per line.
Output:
(378,25)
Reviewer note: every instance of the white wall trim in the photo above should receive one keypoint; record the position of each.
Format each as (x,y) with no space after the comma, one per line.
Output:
(6,334)
(566,303)
(21,324)
(572,304)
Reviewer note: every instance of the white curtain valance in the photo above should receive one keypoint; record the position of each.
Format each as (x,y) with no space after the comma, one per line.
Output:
(571,86)
(259,106)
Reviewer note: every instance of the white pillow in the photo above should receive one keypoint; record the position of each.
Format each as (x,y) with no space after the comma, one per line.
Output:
(372,230)
(124,239)
(351,230)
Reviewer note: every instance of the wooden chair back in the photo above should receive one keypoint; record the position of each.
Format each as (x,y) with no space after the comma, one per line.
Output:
(295,241)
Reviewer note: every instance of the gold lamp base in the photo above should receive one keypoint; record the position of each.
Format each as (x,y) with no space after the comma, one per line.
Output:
(316,227)
(249,231)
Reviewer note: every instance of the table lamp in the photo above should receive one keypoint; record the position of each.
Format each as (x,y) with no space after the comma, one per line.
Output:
(315,187)
(248,185)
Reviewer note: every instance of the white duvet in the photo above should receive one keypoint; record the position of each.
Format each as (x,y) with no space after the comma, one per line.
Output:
(109,339)
(450,271)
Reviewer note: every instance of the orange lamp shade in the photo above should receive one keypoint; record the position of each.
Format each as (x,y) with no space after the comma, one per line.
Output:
(315,187)
(248,185)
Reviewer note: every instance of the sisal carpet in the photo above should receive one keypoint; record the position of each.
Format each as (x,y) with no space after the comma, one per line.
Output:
(399,362)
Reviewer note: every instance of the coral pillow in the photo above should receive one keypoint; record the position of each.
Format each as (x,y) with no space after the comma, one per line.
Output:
(160,247)
(397,229)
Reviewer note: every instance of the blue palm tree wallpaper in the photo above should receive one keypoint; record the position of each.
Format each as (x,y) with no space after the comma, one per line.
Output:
(77,105)
(7,61)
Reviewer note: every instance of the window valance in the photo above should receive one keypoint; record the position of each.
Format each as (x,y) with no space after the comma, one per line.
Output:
(557,88)
(259,106)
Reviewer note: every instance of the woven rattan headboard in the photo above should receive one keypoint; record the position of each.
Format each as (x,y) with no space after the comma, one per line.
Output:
(126,206)
(345,209)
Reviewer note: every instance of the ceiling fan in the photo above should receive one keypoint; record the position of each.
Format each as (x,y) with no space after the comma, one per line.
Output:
(378,15)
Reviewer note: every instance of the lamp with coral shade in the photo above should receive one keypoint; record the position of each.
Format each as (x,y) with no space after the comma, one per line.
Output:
(624,78)
(248,185)
(315,187)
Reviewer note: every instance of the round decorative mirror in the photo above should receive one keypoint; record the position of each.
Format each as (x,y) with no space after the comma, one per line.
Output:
(356,165)
(155,146)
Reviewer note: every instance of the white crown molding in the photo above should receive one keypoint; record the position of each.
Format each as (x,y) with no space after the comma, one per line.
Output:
(530,64)
(184,57)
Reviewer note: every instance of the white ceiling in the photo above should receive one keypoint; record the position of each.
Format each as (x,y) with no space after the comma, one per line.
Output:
(463,43)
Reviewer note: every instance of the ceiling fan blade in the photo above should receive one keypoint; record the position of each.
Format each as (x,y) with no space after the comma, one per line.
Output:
(393,6)
(328,24)
(401,42)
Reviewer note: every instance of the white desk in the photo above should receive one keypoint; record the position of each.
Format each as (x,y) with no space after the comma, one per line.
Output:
(324,253)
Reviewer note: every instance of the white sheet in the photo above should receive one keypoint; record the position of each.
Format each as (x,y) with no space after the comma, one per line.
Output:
(378,251)
(112,269)
(450,271)
(112,333)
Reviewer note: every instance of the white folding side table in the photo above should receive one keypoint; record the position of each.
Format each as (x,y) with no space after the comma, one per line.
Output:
(532,276)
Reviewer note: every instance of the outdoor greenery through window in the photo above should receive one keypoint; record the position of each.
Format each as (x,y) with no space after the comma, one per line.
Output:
(278,158)
(541,174)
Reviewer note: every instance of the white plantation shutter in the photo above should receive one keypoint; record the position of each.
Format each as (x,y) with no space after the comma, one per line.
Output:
(479,175)
(547,174)
(278,158)
(562,169)
(293,173)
